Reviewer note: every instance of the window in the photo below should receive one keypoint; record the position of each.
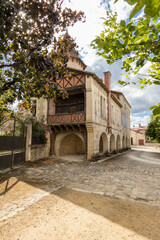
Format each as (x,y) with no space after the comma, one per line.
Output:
(113,114)
(117,117)
(95,108)
(101,106)
(104,108)
(75,103)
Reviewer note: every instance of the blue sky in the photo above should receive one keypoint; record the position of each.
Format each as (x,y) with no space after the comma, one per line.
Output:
(84,33)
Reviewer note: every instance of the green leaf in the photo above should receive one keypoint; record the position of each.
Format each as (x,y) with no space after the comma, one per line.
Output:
(156,111)
(122,23)
(137,8)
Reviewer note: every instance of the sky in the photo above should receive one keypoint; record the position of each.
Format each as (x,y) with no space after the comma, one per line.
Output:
(84,33)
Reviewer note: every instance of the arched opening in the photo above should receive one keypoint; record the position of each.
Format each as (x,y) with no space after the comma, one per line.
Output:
(123,143)
(131,140)
(118,143)
(112,143)
(127,144)
(71,145)
(103,143)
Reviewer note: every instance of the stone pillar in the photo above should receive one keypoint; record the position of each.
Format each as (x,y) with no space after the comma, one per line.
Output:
(109,143)
(28,141)
(85,142)
(90,140)
(52,143)
(89,101)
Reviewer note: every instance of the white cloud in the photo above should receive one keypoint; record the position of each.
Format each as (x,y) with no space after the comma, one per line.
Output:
(122,8)
(143,120)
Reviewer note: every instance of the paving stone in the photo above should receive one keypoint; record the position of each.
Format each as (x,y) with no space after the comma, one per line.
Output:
(117,179)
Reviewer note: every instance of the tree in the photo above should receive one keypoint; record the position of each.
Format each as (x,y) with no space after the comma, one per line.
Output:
(31,54)
(136,42)
(153,130)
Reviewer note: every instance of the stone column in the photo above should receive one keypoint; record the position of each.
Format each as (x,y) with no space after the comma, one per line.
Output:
(109,143)
(90,140)
(28,141)
(85,142)
(52,143)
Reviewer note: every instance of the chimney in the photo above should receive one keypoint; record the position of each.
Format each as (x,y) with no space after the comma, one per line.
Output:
(107,79)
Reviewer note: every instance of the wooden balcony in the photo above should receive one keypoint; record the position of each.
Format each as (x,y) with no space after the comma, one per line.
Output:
(68,118)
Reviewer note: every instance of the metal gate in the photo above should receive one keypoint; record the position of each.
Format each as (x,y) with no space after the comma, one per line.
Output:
(12,143)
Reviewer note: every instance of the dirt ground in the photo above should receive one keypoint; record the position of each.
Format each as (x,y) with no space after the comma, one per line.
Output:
(67,214)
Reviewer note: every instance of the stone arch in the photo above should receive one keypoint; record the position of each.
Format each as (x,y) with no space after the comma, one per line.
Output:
(103,143)
(118,143)
(127,142)
(69,144)
(112,143)
(123,142)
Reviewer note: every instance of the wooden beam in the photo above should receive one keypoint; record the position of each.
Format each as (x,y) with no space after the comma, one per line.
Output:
(72,127)
(60,128)
(66,127)
(55,129)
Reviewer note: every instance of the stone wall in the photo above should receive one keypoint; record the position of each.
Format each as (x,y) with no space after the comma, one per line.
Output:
(39,151)
(136,137)
(76,63)
(35,152)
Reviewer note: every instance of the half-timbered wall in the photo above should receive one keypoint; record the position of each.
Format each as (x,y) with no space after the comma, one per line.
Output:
(71,109)
(77,79)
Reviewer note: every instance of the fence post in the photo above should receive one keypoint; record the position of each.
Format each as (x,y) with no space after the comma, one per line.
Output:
(28,141)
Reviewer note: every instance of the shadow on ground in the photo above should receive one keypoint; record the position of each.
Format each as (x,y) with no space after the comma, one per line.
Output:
(140,218)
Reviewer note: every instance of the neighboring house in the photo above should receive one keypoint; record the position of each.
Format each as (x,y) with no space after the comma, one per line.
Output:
(93,119)
(138,136)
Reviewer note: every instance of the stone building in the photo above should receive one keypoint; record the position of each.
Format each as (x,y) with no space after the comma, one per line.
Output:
(138,136)
(93,119)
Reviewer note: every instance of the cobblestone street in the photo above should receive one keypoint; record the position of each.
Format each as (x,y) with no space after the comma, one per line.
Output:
(133,175)
(115,199)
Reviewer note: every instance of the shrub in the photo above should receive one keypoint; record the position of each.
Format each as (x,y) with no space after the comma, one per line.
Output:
(39,128)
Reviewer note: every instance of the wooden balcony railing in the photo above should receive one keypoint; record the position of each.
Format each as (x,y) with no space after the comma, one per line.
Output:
(66,118)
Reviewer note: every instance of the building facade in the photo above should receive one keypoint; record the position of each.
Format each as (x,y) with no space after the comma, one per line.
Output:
(138,136)
(92,120)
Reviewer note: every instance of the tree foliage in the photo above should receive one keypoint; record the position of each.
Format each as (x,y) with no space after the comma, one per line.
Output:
(31,54)
(151,7)
(135,42)
(156,109)
(153,130)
